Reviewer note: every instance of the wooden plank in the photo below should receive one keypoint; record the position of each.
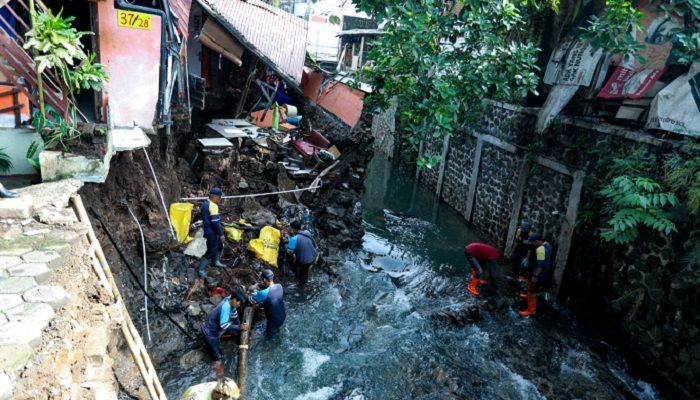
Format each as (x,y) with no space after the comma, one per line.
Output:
(443,162)
(566,233)
(517,204)
(471,195)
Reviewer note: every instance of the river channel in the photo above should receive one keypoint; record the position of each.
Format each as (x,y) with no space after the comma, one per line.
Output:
(379,329)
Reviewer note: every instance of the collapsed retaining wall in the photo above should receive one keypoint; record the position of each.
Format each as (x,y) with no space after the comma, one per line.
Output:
(500,172)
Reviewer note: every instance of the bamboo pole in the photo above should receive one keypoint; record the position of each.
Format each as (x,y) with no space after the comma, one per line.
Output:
(243,351)
(39,80)
(131,334)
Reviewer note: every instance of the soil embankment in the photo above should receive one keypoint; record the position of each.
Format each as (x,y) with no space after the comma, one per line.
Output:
(183,170)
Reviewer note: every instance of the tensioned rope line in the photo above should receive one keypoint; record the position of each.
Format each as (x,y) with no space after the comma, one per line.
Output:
(255,195)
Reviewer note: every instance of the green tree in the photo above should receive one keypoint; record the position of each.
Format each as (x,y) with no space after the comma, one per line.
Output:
(441,67)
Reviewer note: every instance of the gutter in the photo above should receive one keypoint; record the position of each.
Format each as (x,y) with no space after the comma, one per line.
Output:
(293,84)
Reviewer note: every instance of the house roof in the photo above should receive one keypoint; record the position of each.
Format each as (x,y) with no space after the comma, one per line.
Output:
(277,37)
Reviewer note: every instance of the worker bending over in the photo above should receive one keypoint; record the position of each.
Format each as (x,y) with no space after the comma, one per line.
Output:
(213,231)
(223,319)
(479,255)
(302,249)
(272,299)
(536,280)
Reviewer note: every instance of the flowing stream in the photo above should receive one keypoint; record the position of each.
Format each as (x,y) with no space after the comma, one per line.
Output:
(379,330)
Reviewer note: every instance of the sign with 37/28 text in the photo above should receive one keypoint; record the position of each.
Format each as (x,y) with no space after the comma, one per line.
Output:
(133,19)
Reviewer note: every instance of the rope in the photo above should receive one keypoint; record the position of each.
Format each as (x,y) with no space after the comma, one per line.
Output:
(145,273)
(256,194)
(160,193)
(130,268)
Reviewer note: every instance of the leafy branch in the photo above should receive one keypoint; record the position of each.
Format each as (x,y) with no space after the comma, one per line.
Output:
(636,201)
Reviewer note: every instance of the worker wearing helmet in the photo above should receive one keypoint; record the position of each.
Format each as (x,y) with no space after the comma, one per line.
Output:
(520,253)
(537,279)
(271,297)
(213,231)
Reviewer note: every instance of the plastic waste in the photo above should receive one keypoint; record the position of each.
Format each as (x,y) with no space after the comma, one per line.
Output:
(180,217)
(266,246)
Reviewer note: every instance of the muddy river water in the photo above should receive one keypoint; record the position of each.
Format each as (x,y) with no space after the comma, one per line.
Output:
(379,331)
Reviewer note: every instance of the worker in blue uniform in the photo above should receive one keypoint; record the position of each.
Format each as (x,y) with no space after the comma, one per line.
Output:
(302,248)
(271,297)
(213,231)
(223,319)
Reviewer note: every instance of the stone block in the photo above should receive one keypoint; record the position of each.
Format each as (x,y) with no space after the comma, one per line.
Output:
(9,261)
(14,357)
(18,333)
(17,208)
(15,251)
(6,387)
(55,296)
(40,272)
(8,301)
(96,347)
(53,216)
(50,257)
(16,285)
(38,314)
(56,194)
(61,248)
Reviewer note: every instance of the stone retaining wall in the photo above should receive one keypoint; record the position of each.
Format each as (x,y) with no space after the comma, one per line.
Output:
(643,295)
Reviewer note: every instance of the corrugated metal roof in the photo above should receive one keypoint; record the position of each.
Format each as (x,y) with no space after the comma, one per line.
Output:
(278,37)
(182,10)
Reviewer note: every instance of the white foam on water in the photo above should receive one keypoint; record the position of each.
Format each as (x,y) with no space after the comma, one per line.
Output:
(313,360)
(526,389)
(641,389)
(323,393)
(577,362)
(401,301)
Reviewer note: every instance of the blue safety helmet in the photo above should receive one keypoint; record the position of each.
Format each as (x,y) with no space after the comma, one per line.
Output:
(525,226)
(216,192)
(268,275)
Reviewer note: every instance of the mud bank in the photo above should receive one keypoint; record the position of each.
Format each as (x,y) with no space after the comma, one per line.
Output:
(182,171)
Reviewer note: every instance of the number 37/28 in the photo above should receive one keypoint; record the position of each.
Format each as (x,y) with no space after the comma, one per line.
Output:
(134,20)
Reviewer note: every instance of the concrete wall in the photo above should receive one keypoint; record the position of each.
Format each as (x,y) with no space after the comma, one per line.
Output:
(132,59)
(15,143)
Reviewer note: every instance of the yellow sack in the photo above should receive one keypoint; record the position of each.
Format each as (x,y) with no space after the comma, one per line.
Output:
(234,234)
(266,247)
(180,217)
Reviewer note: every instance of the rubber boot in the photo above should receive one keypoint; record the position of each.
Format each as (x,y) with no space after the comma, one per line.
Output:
(202,266)
(6,194)
(473,287)
(531,306)
(217,261)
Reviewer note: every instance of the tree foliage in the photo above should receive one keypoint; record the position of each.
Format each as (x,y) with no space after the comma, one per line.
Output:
(56,45)
(441,67)
(635,202)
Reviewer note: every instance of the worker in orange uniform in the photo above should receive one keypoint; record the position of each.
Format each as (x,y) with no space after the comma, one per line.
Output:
(479,255)
(536,281)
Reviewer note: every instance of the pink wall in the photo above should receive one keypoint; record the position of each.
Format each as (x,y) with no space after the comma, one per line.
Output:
(132,57)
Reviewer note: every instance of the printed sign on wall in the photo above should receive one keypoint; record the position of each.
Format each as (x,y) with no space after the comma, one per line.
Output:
(133,19)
